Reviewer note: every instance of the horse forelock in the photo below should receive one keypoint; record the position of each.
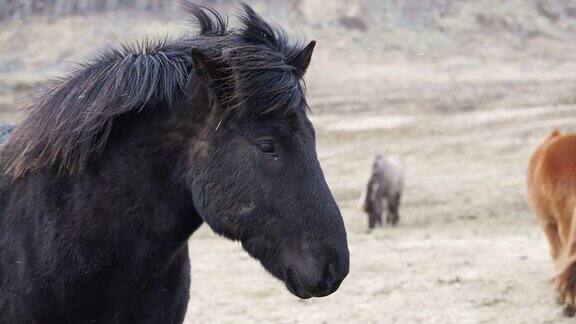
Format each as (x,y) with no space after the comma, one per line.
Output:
(252,68)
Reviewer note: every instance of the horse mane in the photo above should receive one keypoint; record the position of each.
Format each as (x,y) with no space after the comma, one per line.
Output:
(72,120)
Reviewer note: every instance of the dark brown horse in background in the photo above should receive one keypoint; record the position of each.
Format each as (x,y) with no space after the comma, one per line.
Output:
(118,164)
(552,190)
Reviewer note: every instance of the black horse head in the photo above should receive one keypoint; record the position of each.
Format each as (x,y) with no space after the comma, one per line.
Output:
(254,171)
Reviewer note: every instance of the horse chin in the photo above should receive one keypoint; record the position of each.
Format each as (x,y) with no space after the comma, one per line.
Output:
(287,275)
(294,286)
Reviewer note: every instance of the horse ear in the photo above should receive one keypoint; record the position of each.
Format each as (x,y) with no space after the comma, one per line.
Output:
(201,64)
(302,60)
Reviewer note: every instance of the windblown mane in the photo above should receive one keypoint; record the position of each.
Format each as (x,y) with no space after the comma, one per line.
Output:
(73,119)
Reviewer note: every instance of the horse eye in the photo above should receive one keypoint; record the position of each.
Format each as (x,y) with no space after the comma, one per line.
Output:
(266,147)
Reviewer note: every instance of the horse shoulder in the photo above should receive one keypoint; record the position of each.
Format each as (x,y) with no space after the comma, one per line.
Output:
(558,162)
(552,178)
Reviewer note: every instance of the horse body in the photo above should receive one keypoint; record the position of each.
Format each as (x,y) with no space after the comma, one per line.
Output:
(552,193)
(386,182)
(108,245)
(115,168)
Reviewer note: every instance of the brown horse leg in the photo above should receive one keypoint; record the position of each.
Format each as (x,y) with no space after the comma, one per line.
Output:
(558,234)
(569,311)
(563,235)
(551,231)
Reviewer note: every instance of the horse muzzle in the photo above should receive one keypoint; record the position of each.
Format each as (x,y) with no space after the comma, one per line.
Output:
(317,275)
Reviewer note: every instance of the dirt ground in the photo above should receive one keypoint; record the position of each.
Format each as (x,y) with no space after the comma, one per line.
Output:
(467,249)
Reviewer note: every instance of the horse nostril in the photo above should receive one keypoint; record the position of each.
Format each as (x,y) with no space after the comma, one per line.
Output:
(332,278)
(327,280)
(330,274)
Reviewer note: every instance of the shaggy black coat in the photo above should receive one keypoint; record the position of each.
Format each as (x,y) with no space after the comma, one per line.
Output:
(117,165)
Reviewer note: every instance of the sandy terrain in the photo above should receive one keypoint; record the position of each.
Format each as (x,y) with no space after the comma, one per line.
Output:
(467,249)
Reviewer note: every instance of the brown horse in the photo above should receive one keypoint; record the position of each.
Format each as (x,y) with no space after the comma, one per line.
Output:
(552,190)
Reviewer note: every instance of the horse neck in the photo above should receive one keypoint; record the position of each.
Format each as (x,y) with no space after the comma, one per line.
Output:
(131,196)
(141,172)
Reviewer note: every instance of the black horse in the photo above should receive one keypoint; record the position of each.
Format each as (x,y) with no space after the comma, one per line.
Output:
(117,165)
